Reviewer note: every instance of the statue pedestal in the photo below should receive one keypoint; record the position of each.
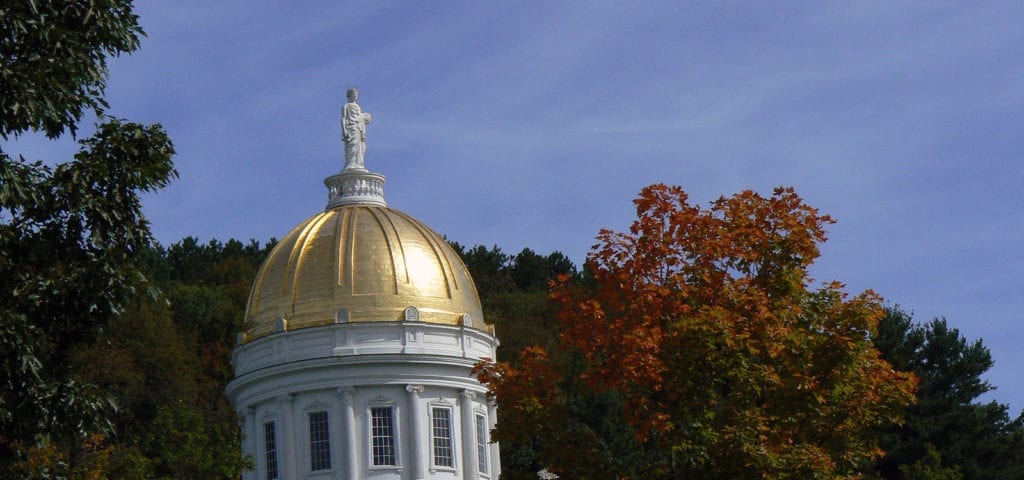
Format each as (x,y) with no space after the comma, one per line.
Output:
(355,185)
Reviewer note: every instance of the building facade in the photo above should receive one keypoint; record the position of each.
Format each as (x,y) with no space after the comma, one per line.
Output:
(362,328)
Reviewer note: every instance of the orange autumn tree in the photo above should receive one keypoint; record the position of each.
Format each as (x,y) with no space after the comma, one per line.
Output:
(704,322)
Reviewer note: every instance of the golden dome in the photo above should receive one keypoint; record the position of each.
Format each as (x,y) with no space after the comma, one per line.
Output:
(372,261)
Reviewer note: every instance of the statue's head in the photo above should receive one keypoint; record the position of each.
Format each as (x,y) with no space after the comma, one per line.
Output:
(353,94)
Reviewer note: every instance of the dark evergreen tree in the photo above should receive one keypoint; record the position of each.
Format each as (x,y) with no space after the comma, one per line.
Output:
(531,271)
(977,439)
(488,267)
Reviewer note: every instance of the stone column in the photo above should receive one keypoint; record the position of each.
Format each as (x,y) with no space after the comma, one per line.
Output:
(348,415)
(287,437)
(249,439)
(492,420)
(469,460)
(416,457)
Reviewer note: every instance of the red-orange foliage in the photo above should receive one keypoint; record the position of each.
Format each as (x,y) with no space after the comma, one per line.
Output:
(705,322)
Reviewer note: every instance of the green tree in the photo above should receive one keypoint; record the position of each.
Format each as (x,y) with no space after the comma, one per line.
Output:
(531,271)
(205,312)
(495,272)
(208,288)
(930,467)
(488,267)
(55,61)
(185,446)
(68,233)
(191,431)
(144,362)
(166,364)
(522,319)
(978,439)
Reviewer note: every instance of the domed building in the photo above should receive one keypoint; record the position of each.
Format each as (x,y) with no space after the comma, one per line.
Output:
(362,328)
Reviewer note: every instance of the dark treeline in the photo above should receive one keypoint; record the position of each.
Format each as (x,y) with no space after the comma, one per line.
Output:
(164,363)
(514,292)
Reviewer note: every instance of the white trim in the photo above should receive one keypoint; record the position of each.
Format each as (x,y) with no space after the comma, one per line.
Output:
(268,415)
(316,406)
(358,339)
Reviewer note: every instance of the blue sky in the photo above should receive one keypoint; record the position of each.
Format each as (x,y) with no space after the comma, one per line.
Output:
(534,124)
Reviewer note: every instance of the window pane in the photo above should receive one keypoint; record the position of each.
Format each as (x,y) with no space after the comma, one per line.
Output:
(442,433)
(382,436)
(319,441)
(481,444)
(270,449)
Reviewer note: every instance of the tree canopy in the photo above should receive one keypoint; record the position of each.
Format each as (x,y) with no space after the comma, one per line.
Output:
(54,61)
(702,332)
(948,428)
(97,381)
(68,233)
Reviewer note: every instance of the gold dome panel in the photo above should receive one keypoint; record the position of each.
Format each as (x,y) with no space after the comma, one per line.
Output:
(373,261)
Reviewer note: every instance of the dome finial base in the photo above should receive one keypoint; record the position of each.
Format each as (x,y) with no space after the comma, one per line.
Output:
(355,185)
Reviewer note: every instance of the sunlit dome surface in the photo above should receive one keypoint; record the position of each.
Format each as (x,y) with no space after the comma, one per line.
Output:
(369,262)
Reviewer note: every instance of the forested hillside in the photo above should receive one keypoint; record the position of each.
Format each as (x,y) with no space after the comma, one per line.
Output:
(163,363)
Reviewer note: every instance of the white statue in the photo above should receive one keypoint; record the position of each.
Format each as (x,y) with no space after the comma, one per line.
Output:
(353,131)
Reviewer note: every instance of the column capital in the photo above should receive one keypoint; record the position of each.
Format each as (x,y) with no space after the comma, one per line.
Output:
(345,391)
(414,389)
(468,394)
